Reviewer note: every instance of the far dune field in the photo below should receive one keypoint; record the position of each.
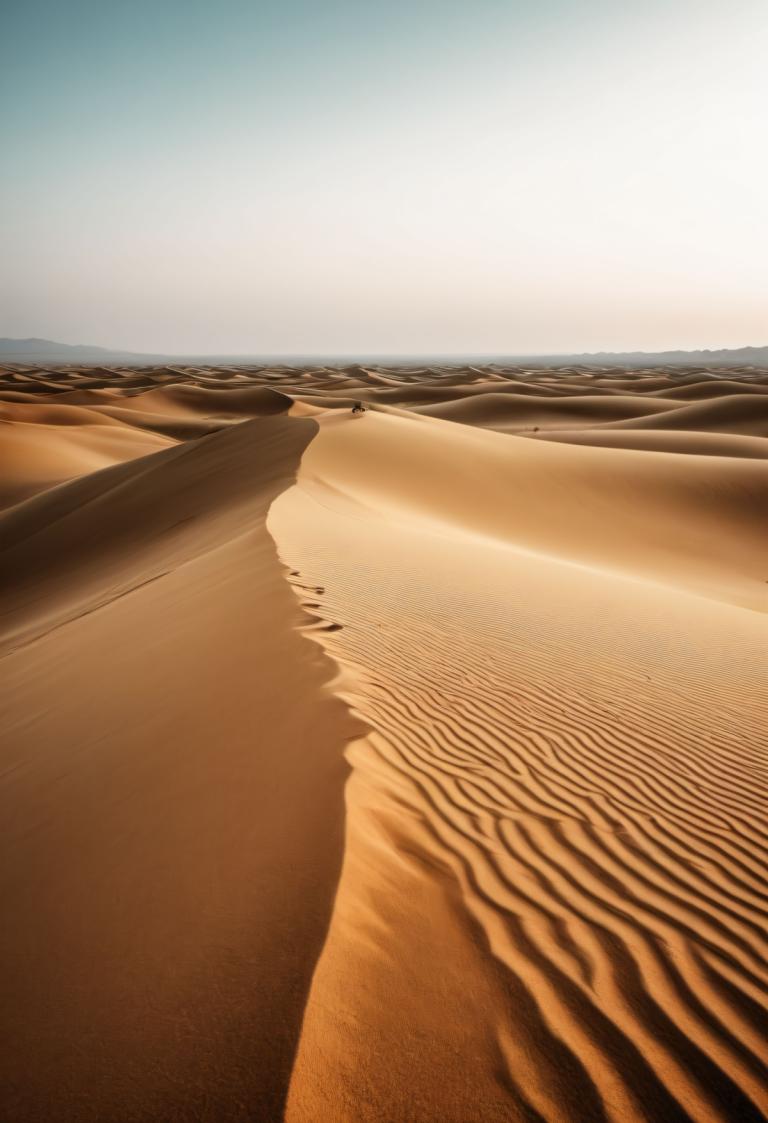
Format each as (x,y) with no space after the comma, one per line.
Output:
(384,745)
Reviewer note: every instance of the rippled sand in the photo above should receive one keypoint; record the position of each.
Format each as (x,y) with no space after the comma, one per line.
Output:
(398,766)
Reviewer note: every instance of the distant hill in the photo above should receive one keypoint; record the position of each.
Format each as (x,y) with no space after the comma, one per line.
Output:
(740,356)
(46,351)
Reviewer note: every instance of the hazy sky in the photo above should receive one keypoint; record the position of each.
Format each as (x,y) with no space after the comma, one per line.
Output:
(384,175)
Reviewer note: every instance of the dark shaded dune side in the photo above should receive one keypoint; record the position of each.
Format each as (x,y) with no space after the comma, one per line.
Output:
(171,801)
(28,390)
(108,532)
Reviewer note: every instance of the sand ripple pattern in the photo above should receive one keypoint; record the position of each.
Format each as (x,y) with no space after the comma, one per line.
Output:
(596,791)
(554,894)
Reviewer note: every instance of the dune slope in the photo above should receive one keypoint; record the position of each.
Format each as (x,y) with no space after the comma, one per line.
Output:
(691,521)
(171,795)
(403,766)
(553,900)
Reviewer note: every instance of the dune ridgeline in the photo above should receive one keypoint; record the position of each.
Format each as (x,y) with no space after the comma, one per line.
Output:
(401,765)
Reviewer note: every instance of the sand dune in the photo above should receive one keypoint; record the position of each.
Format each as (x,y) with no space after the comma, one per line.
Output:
(554,853)
(746,414)
(711,388)
(403,766)
(663,440)
(510,412)
(691,521)
(169,869)
(42,445)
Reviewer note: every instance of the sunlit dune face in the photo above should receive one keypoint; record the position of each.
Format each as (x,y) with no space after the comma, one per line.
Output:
(359,719)
(384,600)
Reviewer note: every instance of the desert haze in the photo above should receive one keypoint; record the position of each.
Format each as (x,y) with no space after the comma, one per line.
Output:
(384,744)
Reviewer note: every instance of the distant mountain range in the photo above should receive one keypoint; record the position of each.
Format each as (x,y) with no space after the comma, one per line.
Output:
(738,356)
(45,351)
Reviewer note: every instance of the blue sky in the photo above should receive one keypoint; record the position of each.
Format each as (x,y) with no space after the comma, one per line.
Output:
(359,177)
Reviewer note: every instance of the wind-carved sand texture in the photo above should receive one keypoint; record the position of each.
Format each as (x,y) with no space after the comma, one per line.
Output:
(398,766)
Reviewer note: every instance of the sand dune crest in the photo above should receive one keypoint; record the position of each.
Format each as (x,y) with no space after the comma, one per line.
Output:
(408,765)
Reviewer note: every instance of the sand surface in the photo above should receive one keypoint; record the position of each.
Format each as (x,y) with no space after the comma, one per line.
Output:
(405,766)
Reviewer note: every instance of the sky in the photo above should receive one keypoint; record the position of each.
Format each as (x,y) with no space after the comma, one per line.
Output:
(359,177)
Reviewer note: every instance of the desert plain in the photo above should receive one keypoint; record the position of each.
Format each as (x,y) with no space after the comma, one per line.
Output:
(404,765)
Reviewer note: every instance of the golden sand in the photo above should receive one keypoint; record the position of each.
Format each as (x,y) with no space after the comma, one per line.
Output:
(400,766)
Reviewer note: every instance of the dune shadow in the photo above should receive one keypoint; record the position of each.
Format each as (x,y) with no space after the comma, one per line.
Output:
(172,815)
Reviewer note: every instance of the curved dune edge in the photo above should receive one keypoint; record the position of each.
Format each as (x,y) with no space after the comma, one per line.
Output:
(692,442)
(171,803)
(691,522)
(553,897)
